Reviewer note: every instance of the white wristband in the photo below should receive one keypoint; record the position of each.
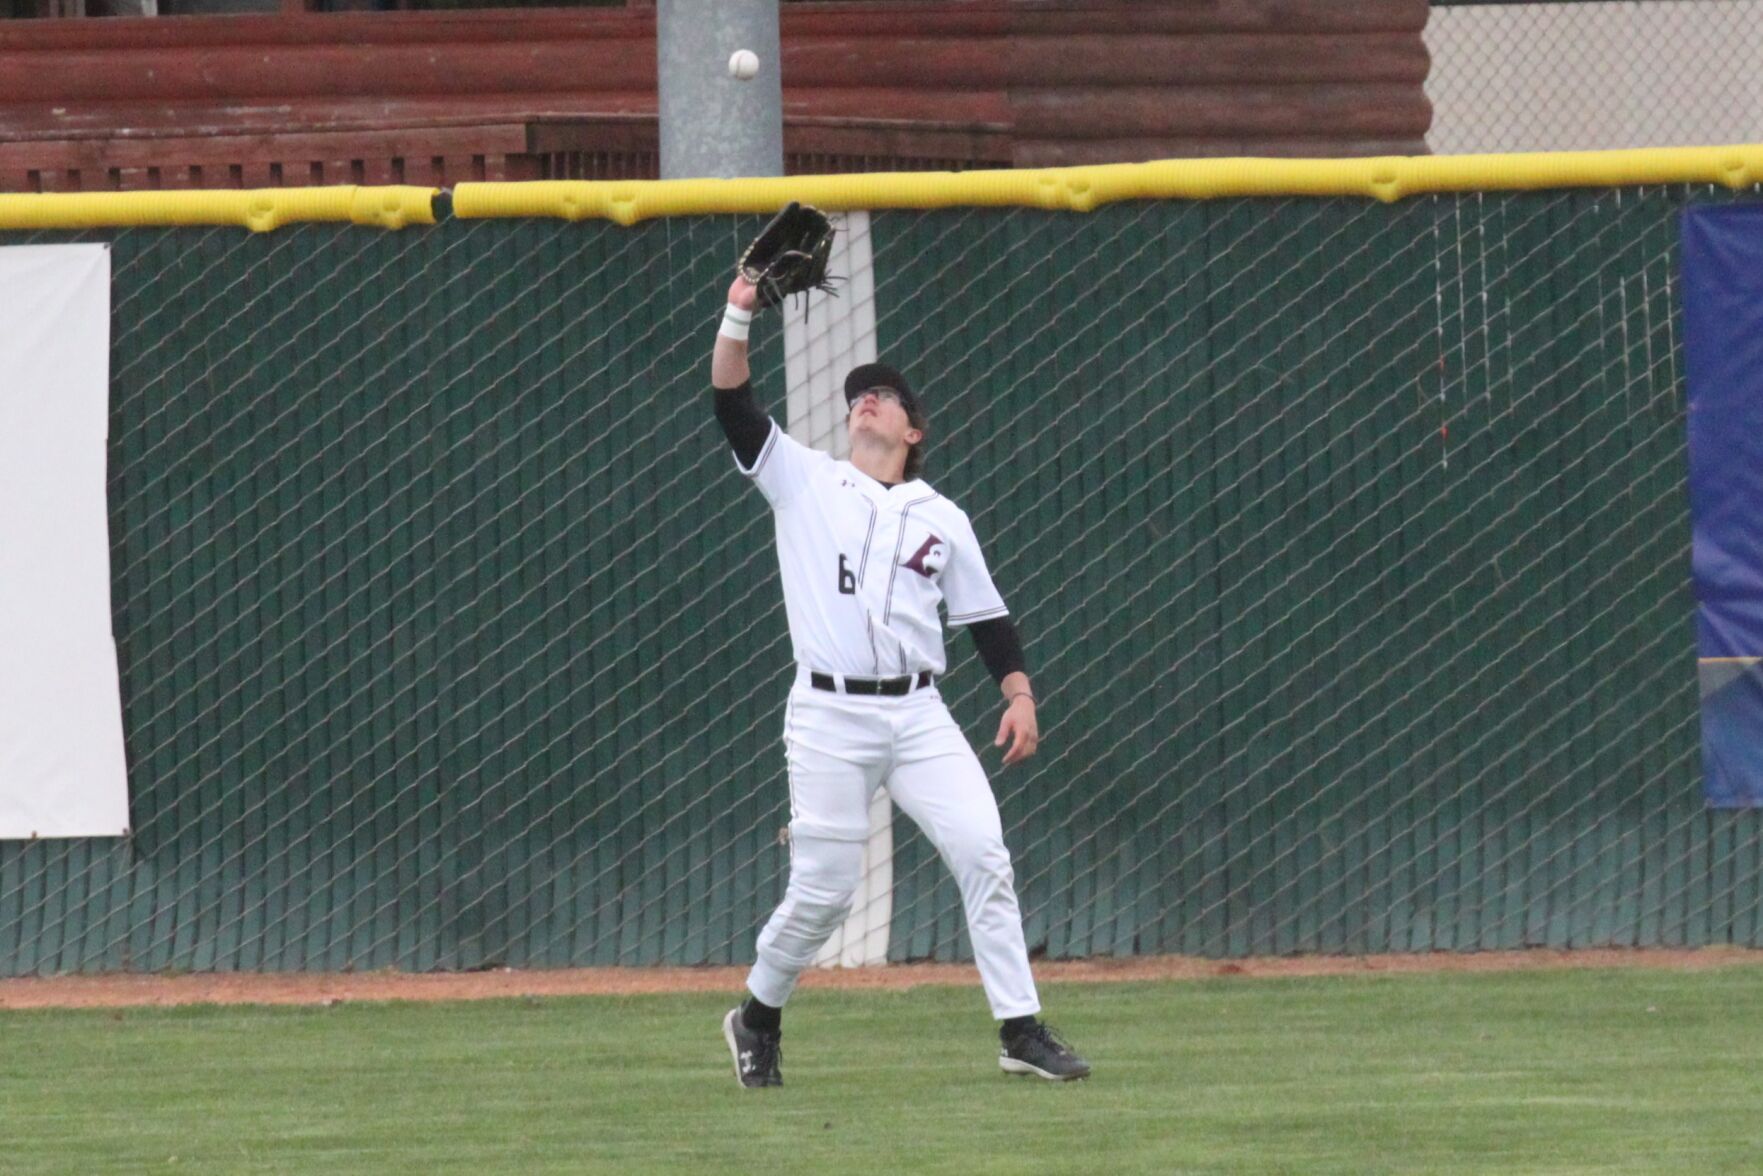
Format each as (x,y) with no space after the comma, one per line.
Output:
(736,323)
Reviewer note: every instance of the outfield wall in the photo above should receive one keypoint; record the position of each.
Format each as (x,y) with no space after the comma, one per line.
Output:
(1349,540)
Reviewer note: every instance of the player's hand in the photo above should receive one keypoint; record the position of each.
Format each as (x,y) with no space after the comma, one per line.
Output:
(1019,729)
(743,294)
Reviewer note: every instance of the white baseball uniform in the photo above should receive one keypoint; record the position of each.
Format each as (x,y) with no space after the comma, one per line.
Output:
(865,567)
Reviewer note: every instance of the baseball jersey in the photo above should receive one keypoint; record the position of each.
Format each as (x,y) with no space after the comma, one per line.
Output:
(865,566)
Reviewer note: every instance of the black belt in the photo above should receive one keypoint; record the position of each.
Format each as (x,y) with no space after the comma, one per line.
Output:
(892,687)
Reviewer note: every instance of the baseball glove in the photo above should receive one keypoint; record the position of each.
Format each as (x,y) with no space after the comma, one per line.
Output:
(789,255)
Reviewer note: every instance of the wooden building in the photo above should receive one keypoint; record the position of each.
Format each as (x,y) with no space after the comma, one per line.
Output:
(293,95)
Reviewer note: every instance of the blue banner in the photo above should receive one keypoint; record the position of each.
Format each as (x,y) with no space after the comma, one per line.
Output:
(1723,348)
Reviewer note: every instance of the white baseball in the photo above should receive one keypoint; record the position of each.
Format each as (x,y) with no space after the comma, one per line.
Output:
(743,64)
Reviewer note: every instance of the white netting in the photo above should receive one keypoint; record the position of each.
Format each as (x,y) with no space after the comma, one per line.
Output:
(1594,74)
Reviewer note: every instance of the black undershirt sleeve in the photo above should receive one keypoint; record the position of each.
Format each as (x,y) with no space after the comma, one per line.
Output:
(743,422)
(999,645)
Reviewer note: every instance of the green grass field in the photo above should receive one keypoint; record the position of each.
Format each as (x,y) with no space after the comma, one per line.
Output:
(1571,1071)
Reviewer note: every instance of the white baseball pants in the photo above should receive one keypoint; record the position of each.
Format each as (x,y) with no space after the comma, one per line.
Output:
(840,749)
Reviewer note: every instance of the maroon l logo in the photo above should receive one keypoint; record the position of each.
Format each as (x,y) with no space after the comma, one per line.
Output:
(927,561)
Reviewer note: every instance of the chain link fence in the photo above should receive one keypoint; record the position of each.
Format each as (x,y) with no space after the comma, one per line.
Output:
(1594,74)
(1349,542)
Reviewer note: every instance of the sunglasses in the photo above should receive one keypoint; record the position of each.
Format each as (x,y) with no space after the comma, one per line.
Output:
(885,394)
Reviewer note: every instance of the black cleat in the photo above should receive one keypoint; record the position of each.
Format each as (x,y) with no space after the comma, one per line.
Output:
(757,1053)
(1038,1050)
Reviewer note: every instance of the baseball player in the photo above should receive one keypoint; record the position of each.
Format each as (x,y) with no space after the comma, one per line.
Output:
(868,551)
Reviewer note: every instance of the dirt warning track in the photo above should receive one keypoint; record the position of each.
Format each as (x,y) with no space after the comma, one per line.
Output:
(131,990)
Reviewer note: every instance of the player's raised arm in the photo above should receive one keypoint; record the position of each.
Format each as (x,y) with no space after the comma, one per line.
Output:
(789,256)
(743,422)
(728,363)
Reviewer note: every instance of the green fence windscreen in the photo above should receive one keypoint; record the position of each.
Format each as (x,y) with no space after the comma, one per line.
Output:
(1349,542)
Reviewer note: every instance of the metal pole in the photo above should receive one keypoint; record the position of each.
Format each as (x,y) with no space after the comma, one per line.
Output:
(711,123)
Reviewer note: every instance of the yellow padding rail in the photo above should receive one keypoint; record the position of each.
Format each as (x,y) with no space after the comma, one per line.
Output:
(259,209)
(1081,189)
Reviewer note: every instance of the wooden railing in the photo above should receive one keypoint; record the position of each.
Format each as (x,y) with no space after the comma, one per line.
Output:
(440,97)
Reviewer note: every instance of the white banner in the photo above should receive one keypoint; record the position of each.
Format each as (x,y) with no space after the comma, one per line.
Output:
(62,772)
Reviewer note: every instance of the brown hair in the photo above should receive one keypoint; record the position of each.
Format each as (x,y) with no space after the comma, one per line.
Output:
(915,453)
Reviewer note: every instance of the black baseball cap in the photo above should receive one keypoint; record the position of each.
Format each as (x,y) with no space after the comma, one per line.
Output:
(865,376)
